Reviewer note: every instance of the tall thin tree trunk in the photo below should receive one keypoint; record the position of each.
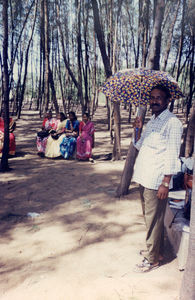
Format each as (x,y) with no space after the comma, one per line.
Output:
(66,61)
(4,160)
(181,40)
(54,98)
(180,48)
(174,64)
(18,87)
(41,95)
(102,46)
(131,28)
(192,69)
(155,45)
(170,36)
(117,135)
(187,291)
(61,83)
(130,112)
(146,7)
(49,82)
(86,70)
(189,141)
(79,54)
(110,110)
(94,93)
(14,52)
(110,42)
(117,143)
(140,28)
(26,65)
(129,164)
(47,51)
(100,37)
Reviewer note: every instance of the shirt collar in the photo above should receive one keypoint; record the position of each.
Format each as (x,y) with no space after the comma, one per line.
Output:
(162,116)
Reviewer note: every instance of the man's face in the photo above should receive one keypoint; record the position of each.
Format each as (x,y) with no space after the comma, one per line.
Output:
(158,101)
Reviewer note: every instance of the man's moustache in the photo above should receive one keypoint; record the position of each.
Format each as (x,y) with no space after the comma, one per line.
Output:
(153,105)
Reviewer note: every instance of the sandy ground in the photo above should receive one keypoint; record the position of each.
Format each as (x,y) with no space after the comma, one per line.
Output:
(85,242)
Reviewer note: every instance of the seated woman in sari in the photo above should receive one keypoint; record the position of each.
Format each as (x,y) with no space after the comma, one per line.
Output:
(53,143)
(85,141)
(12,142)
(48,125)
(68,145)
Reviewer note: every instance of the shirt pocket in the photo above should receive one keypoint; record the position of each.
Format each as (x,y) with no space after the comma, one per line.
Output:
(156,141)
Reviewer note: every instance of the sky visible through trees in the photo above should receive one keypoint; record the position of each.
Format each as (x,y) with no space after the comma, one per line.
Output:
(58,38)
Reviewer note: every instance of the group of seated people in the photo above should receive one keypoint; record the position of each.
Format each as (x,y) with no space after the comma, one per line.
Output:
(62,137)
(12,142)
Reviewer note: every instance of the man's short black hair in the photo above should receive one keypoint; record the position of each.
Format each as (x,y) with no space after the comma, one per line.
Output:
(162,88)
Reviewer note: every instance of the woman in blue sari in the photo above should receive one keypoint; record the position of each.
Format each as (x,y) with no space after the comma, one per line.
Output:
(68,145)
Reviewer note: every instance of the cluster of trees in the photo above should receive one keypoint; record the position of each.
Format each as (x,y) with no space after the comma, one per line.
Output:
(60,52)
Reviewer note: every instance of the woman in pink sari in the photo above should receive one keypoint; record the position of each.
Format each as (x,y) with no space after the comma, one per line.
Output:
(12,143)
(85,141)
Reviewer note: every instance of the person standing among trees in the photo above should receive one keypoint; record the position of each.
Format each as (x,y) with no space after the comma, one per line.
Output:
(157,161)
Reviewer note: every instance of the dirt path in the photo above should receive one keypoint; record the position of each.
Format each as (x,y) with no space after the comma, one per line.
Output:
(85,242)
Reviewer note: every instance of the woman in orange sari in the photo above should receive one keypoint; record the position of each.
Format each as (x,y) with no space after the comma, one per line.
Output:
(12,142)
